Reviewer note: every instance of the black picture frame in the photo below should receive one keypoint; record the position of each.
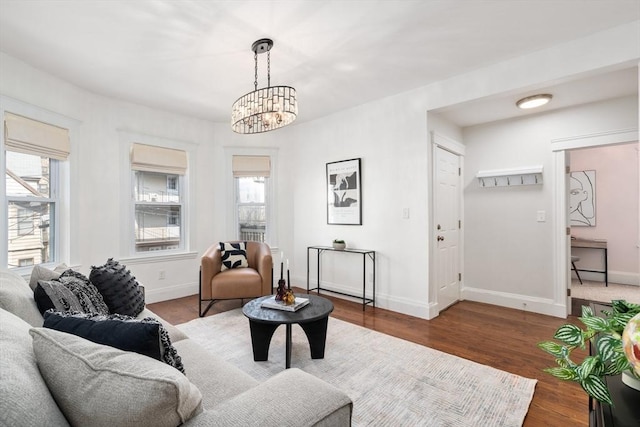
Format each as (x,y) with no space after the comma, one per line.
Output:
(344,192)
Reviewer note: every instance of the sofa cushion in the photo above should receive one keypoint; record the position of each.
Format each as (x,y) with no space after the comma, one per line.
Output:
(72,291)
(24,397)
(40,272)
(99,385)
(233,255)
(118,287)
(17,298)
(144,336)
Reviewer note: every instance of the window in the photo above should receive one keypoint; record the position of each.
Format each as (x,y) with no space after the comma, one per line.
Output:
(34,151)
(251,176)
(158,197)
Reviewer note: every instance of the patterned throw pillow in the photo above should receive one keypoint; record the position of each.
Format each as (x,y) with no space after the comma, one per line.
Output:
(118,287)
(144,336)
(234,255)
(72,291)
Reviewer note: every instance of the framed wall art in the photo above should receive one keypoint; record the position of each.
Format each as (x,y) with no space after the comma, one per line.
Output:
(344,195)
(582,198)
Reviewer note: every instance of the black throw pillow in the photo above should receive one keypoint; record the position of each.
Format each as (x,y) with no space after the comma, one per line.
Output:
(72,291)
(118,287)
(144,336)
(233,255)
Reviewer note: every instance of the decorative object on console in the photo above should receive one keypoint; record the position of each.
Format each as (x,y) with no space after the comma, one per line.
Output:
(606,335)
(234,255)
(72,291)
(339,244)
(265,109)
(344,196)
(119,288)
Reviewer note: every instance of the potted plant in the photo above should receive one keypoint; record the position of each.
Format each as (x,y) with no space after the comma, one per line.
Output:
(606,335)
(339,244)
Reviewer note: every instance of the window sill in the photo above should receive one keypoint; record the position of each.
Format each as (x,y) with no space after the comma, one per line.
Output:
(139,259)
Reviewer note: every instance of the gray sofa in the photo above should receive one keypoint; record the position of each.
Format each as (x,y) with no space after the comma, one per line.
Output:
(50,378)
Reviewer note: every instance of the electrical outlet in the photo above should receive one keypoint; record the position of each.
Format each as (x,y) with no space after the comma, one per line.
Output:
(161,275)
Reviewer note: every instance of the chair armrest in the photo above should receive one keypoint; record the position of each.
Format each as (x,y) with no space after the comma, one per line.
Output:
(290,398)
(264,267)
(210,265)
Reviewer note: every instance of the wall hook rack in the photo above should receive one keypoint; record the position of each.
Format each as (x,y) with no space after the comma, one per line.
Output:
(530,175)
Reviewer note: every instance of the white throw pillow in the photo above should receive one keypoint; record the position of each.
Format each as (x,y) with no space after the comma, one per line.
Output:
(99,385)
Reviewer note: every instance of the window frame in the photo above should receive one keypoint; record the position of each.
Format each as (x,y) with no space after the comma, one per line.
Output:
(128,252)
(66,247)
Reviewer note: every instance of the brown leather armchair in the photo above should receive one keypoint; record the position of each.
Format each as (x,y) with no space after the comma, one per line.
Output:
(236,283)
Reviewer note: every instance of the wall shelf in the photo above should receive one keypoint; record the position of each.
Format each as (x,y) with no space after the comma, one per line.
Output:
(531,175)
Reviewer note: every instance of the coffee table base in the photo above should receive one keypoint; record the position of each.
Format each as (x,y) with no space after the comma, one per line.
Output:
(261,334)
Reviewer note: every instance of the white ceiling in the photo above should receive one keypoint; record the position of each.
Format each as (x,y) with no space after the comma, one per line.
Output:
(194,56)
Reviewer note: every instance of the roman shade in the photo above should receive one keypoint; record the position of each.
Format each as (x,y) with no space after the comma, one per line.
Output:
(244,166)
(33,137)
(150,158)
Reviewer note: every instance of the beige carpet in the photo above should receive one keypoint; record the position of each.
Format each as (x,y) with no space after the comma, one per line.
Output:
(391,381)
(597,291)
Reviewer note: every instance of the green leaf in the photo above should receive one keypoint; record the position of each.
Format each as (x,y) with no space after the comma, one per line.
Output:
(570,335)
(586,368)
(587,311)
(552,348)
(596,388)
(565,374)
(596,323)
(607,346)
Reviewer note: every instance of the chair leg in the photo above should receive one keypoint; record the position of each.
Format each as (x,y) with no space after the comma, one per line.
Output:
(573,266)
(200,312)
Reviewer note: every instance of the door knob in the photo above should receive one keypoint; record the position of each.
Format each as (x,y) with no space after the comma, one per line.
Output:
(440,238)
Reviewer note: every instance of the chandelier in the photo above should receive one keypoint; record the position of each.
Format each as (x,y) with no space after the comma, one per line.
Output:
(265,109)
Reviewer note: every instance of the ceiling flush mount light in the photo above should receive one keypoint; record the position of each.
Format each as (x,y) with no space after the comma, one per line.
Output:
(265,109)
(534,101)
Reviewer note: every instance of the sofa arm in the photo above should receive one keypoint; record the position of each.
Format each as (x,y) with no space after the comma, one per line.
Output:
(290,398)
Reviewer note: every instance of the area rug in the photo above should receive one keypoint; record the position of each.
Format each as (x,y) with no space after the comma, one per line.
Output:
(392,382)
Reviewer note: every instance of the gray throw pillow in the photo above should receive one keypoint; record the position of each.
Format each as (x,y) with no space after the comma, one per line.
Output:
(98,385)
(72,291)
(43,273)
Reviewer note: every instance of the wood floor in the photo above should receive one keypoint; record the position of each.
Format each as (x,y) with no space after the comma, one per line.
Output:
(495,336)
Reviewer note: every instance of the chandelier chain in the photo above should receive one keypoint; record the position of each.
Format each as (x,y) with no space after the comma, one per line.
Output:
(255,61)
(268,68)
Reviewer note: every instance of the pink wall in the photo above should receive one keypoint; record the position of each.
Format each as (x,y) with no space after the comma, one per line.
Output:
(617,214)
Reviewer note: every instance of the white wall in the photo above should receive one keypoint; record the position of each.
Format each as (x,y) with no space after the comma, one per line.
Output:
(390,135)
(508,253)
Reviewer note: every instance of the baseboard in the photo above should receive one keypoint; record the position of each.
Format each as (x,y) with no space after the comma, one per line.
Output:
(170,292)
(519,302)
(619,277)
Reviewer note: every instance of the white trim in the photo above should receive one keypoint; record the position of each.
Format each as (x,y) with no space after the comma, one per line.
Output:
(619,136)
(271,196)
(447,143)
(516,301)
(170,292)
(67,238)
(127,243)
(164,257)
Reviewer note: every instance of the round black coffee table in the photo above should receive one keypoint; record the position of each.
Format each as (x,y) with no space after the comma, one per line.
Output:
(312,318)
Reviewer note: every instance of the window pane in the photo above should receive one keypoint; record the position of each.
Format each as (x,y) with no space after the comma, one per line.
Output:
(252,214)
(30,235)
(156,187)
(157,227)
(251,189)
(27,175)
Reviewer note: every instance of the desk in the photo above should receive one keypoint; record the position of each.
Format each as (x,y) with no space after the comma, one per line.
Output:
(365,253)
(594,244)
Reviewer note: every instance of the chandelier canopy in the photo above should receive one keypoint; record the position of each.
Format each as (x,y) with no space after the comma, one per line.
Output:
(265,109)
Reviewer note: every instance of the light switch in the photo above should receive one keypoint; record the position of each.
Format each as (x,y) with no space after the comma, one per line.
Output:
(405,213)
(541,216)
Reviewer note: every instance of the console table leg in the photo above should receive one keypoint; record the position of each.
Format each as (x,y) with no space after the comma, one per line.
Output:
(287,363)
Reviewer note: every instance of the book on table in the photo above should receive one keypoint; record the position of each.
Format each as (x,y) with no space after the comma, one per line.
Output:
(279,305)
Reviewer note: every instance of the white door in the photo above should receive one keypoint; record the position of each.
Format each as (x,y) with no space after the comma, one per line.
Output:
(447,227)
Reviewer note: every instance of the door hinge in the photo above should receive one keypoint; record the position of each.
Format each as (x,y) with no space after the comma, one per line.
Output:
(459,171)
(568,292)
(568,231)
(460,277)
(459,224)
(567,169)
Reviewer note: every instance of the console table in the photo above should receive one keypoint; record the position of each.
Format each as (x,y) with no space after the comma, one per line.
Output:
(594,244)
(365,254)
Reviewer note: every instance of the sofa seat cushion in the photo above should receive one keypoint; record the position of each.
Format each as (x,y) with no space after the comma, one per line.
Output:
(217,379)
(236,283)
(16,297)
(24,397)
(99,385)
(174,333)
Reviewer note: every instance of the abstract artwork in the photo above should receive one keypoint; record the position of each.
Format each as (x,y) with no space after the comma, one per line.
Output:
(582,198)
(344,198)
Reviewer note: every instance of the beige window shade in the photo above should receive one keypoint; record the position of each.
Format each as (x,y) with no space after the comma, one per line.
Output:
(251,166)
(33,137)
(150,158)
